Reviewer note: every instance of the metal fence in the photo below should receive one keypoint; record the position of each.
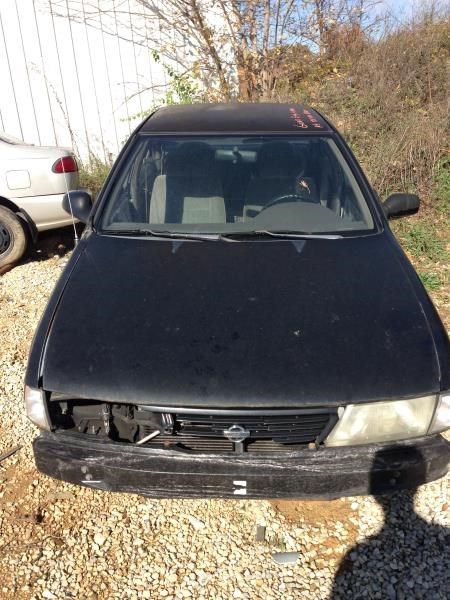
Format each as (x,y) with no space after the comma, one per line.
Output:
(76,73)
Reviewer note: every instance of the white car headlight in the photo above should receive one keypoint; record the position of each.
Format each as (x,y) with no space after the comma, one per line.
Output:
(441,420)
(383,421)
(36,408)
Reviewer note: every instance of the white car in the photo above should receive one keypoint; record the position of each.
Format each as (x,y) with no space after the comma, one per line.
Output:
(33,181)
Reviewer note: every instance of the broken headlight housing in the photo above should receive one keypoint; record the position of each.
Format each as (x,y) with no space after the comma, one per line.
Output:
(441,420)
(390,421)
(36,407)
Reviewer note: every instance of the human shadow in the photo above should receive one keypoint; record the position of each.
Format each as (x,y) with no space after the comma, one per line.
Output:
(407,559)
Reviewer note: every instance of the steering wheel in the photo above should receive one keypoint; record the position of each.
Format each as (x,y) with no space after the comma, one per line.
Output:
(282,199)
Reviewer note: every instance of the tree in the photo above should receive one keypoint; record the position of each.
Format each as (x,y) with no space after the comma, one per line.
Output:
(235,48)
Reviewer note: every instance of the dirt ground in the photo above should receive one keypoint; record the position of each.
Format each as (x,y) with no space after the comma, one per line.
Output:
(62,541)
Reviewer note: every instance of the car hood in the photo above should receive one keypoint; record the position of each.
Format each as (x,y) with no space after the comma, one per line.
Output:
(279,323)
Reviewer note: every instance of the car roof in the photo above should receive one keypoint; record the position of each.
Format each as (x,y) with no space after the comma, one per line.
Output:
(236,117)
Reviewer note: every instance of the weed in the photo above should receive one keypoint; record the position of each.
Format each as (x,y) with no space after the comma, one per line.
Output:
(442,187)
(279,543)
(431,281)
(421,241)
(93,175)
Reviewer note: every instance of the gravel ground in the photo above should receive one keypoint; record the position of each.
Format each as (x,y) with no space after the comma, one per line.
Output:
(60,541)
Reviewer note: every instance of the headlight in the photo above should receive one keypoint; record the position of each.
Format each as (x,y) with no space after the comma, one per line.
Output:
(383,421)
(35,407)
(441,420)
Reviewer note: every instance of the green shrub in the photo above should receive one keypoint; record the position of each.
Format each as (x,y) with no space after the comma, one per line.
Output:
(442,187)
(93,175)
(421,241)
(431,280)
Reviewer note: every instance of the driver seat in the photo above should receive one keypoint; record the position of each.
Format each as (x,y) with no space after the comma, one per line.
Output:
(275,176)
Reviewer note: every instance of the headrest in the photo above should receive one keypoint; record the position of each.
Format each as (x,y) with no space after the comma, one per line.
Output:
(191,159)
(276,159)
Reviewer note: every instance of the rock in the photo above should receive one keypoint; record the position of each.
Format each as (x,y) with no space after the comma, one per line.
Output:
(390,591)
(196,523)
(99,539)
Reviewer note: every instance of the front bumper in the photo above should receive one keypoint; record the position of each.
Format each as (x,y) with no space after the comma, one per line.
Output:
(324,473)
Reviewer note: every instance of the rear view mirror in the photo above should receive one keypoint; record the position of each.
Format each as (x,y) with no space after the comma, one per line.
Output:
(400,205)
(79,204)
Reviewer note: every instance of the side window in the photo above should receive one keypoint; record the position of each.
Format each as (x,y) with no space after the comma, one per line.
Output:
(122,205)
(331,180)
(146,168)
(130,200)
(339,190)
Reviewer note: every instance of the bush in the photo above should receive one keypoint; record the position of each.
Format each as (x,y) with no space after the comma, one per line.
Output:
(93,175)
(431,281)
(390,100)
(441,187)
(421,240)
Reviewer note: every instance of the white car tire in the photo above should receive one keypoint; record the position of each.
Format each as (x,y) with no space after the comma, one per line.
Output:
(13,239)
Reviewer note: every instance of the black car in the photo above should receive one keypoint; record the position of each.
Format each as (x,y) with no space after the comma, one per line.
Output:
(239,320)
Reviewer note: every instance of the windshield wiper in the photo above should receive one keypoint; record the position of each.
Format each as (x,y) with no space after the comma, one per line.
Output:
(176,235)
(232,236)
(288,234)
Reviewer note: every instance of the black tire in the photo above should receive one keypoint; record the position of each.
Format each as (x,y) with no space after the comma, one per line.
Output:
(13,239)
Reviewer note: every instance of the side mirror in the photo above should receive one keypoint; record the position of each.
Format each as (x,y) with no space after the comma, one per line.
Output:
(400,205)
(81,204)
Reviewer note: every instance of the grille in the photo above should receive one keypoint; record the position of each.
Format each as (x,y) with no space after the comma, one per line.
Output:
(199,432)
(284,429)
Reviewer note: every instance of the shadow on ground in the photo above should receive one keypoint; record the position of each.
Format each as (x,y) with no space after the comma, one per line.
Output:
(408,558)
(55,242)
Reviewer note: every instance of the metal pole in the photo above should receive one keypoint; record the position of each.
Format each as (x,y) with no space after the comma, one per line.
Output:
(10,75)
(43,72)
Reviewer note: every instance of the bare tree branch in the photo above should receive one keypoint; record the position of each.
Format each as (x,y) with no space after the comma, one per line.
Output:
(236,47)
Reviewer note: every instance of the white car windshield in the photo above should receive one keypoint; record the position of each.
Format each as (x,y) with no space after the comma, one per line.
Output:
(235,184)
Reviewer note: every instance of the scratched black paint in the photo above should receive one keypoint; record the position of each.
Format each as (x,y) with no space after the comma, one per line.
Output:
(240,324)
(327,473)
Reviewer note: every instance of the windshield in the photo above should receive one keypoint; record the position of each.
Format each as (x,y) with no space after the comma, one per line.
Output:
(236,184)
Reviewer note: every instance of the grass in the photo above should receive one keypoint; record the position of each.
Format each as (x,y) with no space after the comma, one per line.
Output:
(421,240)
(442,186)
(432,281)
